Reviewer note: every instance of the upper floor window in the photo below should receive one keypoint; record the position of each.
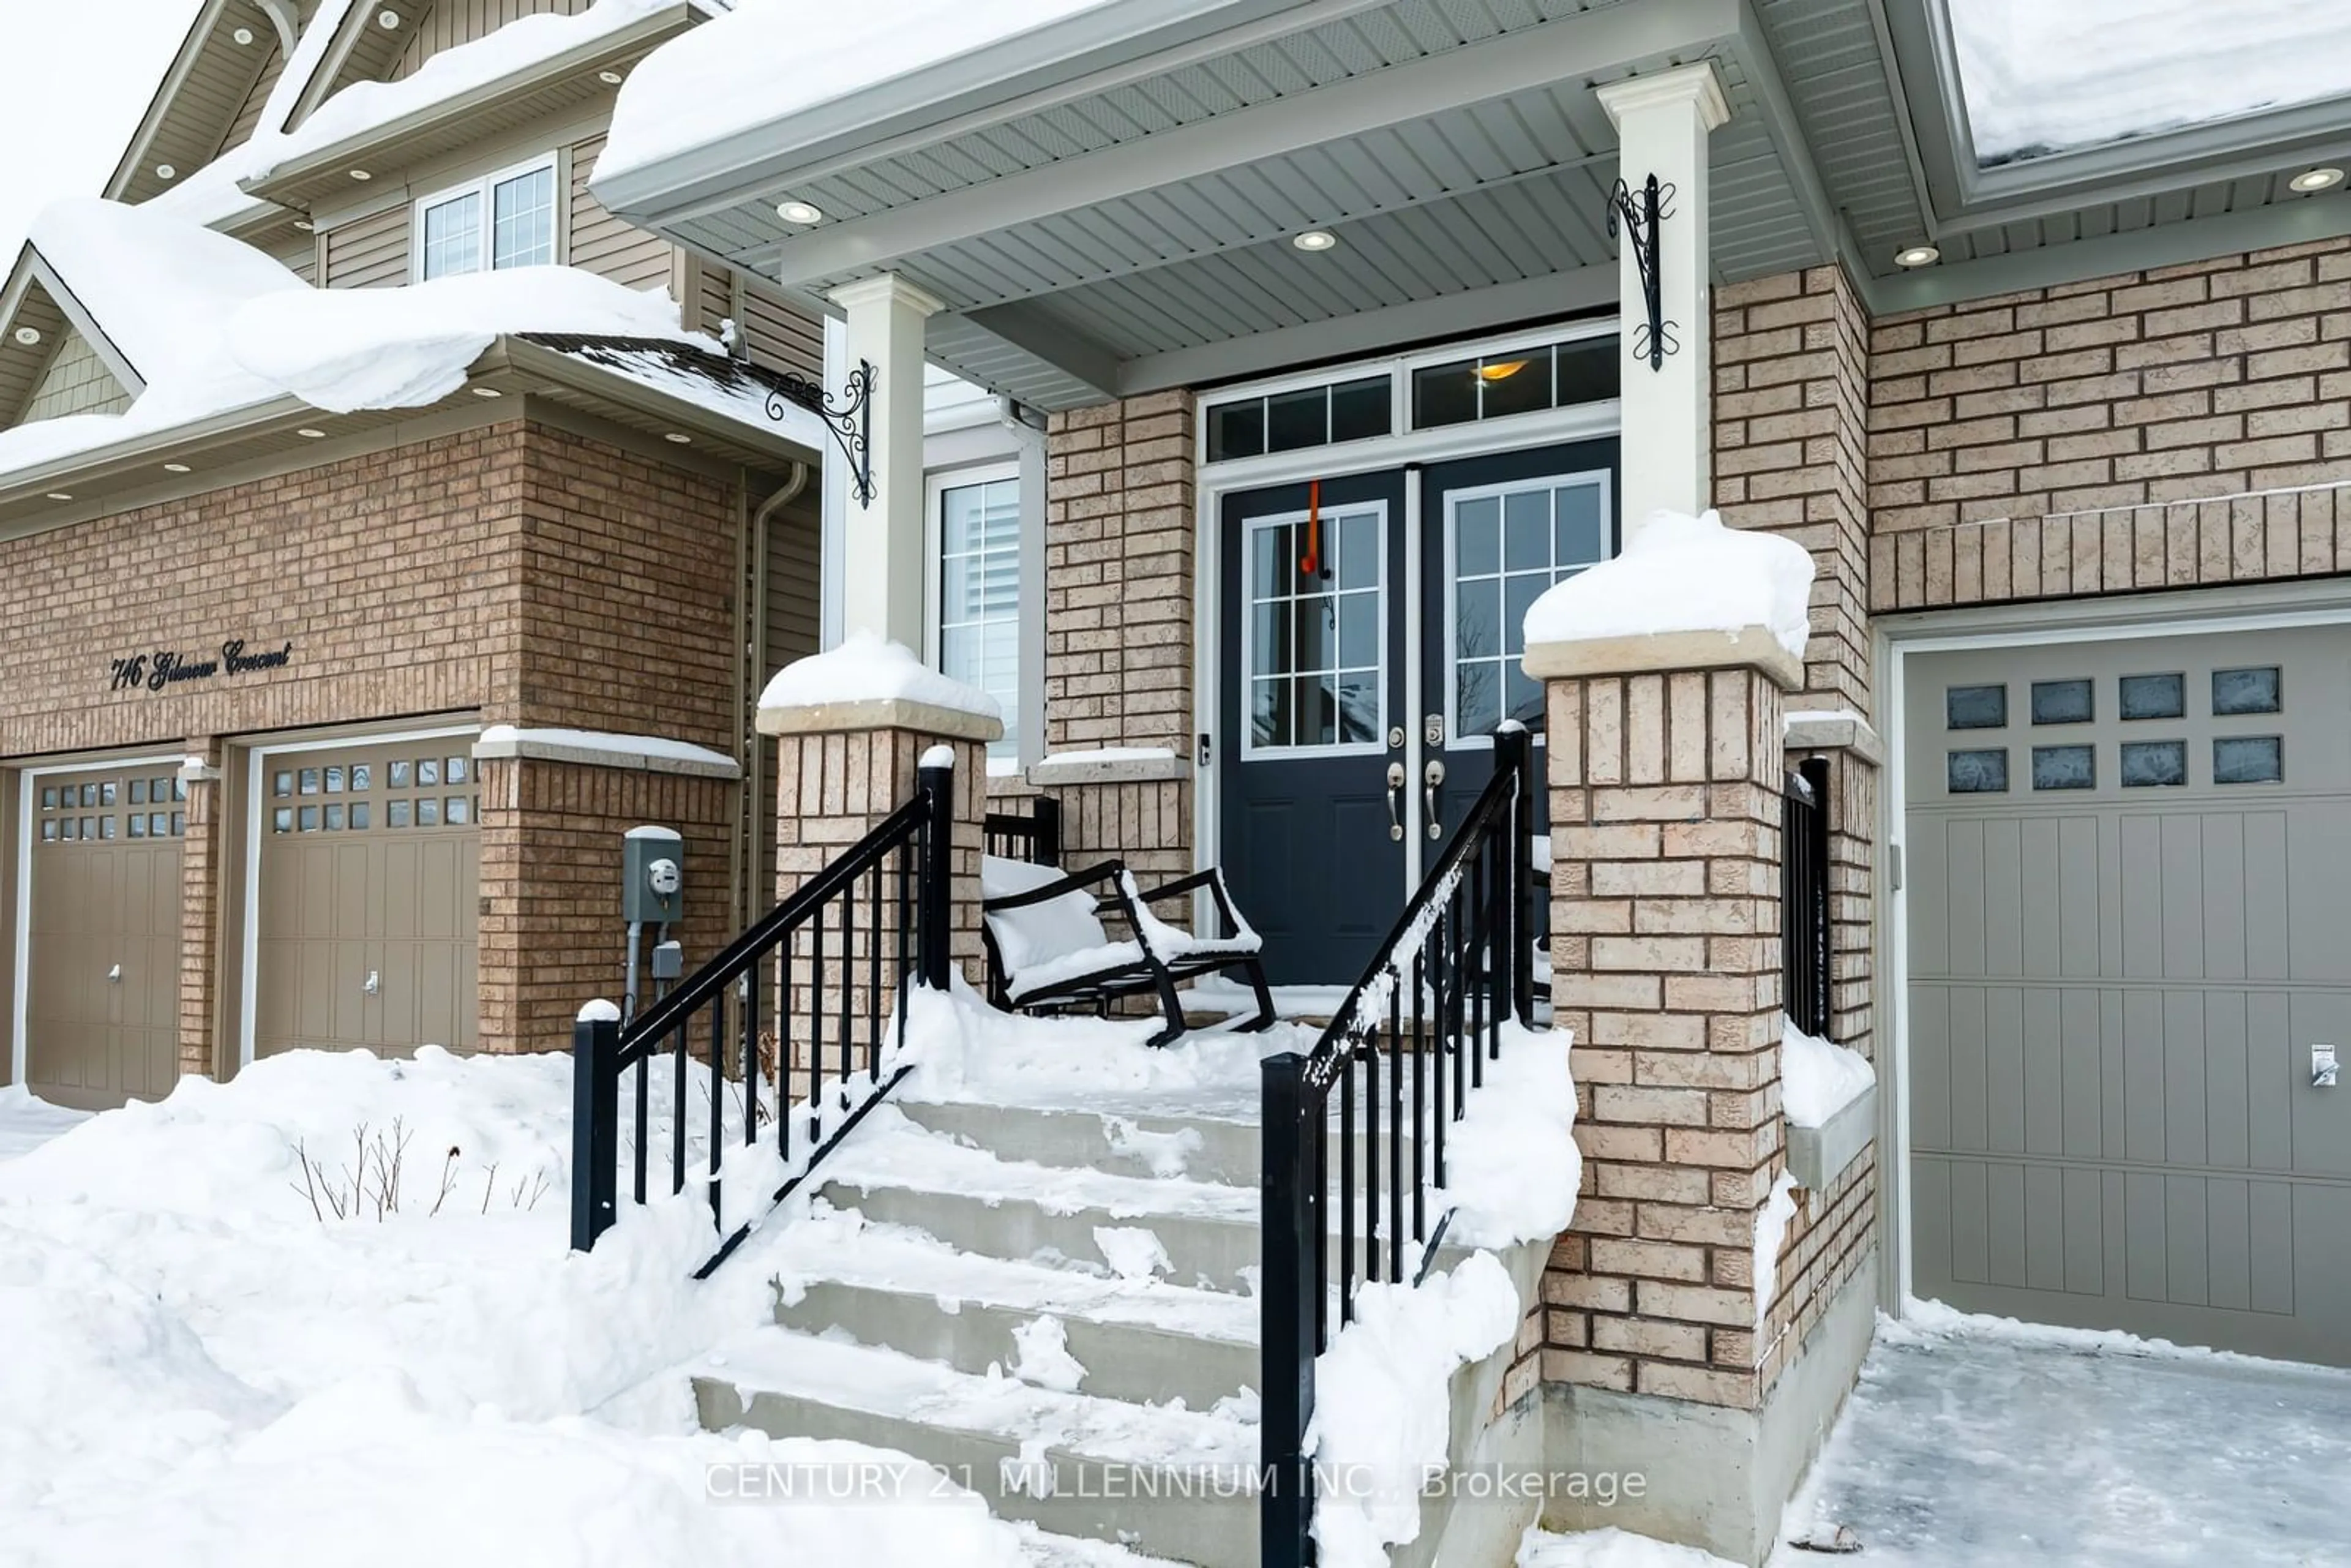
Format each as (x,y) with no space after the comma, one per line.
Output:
(505,219)
(979,620)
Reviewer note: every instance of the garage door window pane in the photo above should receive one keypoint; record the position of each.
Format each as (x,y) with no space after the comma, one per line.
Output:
(428,771)
(454,811)
(428,813)
(1977,772)
(282,820)
(2148,764)
(2245,691)
(1976,707)
(453,771)
(360,820)
(89,794)
(67,832)
(2065,767)
(2063,702)
(138,792)
(335,818)
(310,819)
(2249,760)
(363,777)
(137,824)
(396,812)
(400,775)
(2154,697)
(106,826)
(334,780)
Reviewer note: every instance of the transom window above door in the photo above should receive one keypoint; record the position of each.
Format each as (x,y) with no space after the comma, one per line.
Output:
(502,220)
(1314,631)
(1504,545)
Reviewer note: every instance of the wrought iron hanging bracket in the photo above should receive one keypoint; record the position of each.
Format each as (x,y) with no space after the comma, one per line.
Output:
(850,421)
(1638,213)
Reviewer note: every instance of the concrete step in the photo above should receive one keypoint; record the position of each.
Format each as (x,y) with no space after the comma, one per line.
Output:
(1166,1482)
(1199,1149)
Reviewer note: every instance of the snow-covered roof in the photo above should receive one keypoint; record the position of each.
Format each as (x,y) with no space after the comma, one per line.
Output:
(2039,78)
(214,328)
(771,59)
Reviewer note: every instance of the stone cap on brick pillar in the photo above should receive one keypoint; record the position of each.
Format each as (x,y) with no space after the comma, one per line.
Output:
(1687,593)
(868,683)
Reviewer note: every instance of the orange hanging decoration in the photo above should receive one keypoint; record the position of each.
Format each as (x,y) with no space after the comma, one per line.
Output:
(1310,563)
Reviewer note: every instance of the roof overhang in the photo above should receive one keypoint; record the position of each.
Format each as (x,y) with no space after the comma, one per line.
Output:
(102,480)
(545,89)
(1464,175)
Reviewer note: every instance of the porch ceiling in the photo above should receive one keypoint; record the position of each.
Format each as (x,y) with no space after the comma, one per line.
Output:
(1107,241)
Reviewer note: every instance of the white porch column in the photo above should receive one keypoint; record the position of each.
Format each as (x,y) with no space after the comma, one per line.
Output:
(1662,122)
(882,547)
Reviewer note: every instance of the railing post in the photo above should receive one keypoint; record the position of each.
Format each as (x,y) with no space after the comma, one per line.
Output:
(595,1125)
(1049,831)
(1515,977)
(1286,1345)
(934,782)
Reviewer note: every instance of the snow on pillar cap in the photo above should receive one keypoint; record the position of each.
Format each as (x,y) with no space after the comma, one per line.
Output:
(600,1011)
(650,831)
(938,756)
(1687,594)
(867,684)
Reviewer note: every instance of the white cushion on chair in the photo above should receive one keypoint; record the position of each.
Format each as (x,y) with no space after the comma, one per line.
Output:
(1037,940)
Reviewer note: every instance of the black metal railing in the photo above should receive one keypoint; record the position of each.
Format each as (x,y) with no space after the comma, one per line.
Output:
(795,1022)
(1035,838)
(1352,1190)
(1804,936)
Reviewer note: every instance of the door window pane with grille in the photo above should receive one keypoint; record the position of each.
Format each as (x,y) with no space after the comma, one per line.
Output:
(1504,549)
(1316,623)
(979,596)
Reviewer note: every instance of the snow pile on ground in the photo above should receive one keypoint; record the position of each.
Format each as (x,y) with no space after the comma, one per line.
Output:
(866,668)
(1680,573)
(27,1123)
(1817,1079)
(2041,78)
(1383,1407)
(1610,1548)
(1513,1159)
(326,1314)
(720,79)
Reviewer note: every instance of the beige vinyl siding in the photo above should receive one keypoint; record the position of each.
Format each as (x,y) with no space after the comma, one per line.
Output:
(454,22)
(601,243)
(370,251)
(713,294)
(302,261)
(77,381)
(781,338)
(794,544)
(240,129)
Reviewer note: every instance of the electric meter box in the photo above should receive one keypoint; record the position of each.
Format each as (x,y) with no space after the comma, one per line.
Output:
(652,876)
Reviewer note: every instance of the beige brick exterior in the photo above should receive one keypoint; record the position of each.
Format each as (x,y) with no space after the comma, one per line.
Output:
(481,574)
(1120,540)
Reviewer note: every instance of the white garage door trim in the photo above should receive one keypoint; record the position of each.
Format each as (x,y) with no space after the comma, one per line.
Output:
(249,965)
(21,1024)
(2202,612)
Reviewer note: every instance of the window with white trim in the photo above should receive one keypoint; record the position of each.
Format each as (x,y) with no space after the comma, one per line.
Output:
(502,220)
(1505,545)
(978,602)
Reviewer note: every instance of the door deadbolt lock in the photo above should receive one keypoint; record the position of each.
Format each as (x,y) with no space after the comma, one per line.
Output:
(2325,1071)
(1432,729)
(1395,737)
(1396,800)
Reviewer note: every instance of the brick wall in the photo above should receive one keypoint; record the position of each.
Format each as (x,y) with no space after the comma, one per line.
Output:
(1790,406)
(2118,434)
(486,572)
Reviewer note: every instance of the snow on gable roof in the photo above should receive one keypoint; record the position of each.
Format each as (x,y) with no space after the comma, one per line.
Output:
(209,195)
(215,328)
(730,75)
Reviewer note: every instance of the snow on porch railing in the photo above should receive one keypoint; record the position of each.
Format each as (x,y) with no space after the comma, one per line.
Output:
(1402,1057)
(798,1020)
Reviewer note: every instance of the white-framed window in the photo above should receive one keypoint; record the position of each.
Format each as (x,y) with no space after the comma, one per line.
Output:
(510,218)
(1314,639)
(976,597)
(1504,545)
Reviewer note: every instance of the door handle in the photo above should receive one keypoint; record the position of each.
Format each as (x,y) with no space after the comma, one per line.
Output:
(1432,777)
(374,983)
(1396,800)
(114,976)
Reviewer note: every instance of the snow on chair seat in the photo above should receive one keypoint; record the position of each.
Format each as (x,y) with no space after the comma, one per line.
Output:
(1048,949)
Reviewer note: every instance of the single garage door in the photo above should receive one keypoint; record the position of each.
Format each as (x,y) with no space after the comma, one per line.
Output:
(2129,921)
(370,875)
(103,1006)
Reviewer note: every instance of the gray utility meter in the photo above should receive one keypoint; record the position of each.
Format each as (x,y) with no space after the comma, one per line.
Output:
(652,876)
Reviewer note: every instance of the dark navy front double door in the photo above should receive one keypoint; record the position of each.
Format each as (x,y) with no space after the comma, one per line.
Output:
(1369,648)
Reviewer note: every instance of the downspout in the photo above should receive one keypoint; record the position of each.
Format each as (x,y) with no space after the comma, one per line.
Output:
(750,656)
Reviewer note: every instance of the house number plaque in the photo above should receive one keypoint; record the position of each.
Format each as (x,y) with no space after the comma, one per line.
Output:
(165,668)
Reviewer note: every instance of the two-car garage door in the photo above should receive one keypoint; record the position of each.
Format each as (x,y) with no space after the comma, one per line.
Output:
(2129,923)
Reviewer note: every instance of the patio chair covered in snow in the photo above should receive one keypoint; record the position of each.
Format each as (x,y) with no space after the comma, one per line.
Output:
(1048,950)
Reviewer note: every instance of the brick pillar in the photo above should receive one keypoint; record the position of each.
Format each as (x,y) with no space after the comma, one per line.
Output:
(842,767)
(201,853)
(1666,806)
